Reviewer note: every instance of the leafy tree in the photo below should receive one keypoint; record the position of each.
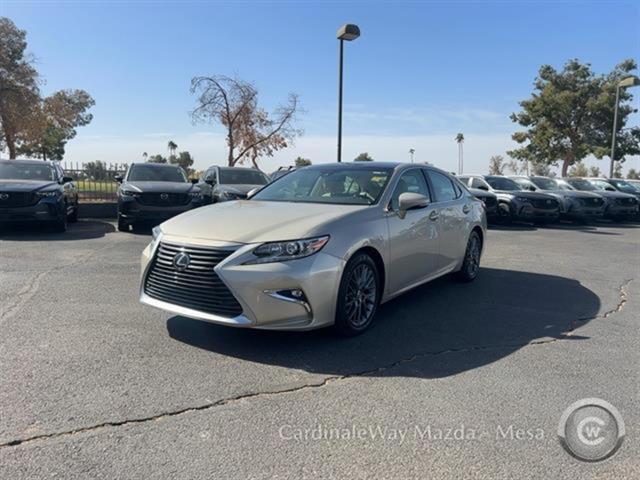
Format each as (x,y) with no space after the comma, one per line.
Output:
(19,92)
(617,170)
(184,159)
(541,169)
(632,174)
(579,169)
(56,121)
(157,159)
(172,147)
(496,165)
(363,157)
(96,170)
(302,162)
(569,116)
(251,131)
(594,172)
(518,167)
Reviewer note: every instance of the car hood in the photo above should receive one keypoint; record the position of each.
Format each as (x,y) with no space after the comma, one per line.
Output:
(573,193)
(249,221)
(608,194)
(238,188)
(477,192)
(166,187)
(523,193)
(26,185)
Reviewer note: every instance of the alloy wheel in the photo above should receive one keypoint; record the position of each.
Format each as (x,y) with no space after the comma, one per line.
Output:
(361,295)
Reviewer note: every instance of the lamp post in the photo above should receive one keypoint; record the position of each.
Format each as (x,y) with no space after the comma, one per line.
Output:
(346,32)
(624,83)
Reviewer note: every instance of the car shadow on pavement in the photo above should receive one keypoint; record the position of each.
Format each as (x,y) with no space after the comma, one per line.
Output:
(82,230)
(501,312)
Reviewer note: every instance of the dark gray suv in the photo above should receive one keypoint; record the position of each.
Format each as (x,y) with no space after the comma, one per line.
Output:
(221,184)
(515,202)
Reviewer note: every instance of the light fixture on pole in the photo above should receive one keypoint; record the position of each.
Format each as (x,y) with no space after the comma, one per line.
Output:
(624,83)
(347,32)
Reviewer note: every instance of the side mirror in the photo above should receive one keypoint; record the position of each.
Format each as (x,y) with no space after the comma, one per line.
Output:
(483,187)
(532,188)
(610,189)
(410,201)
(210,181)
(118,178)
(67,179)
(194,180)
(252,192)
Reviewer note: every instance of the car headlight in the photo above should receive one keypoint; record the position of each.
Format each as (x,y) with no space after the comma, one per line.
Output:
(290,250)
(129,193)
(231,195)
(49,194)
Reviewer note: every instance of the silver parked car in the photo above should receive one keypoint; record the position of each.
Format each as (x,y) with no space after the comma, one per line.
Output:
(323,245)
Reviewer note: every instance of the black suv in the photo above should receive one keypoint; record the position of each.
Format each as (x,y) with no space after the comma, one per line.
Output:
(37,191)
(153,193)
(221,184)
(514,202)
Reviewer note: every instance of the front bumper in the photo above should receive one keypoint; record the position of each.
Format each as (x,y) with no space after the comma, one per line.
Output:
(256,288)
(132,211)
(615,210)
(43,211)
(525,211)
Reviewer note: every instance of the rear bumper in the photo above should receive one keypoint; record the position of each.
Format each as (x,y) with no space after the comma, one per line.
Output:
(42,211)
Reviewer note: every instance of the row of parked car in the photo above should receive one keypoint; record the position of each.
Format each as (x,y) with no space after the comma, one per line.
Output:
(37,191)
(544,200)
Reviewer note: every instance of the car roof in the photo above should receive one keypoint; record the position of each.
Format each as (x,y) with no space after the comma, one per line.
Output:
(29,161)
(163,165)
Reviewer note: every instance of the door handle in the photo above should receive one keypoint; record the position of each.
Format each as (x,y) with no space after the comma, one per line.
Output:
(433,216)
(466,209)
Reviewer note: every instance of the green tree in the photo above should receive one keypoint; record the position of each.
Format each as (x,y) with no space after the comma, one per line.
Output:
(541,169)
(19,92)
(569,116)
(57,119)
(617,170)
(632,174)
(96,170)
(579,169)
(172,147)
(594,172)
(156,159)
(363,157)
(184,159)
(496,165)
(302,162)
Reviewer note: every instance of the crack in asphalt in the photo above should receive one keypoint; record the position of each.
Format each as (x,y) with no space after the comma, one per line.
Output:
(325,381)
(231,400)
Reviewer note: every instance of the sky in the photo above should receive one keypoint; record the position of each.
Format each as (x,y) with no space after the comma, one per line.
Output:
(420,73)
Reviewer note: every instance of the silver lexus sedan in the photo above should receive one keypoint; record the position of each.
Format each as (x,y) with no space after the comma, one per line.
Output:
(323,245)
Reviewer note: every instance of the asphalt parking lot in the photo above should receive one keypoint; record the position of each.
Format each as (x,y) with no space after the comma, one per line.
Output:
(95,385)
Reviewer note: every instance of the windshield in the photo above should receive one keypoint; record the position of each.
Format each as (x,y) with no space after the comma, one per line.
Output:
(344,186)
(545,183)
(635,184)
(13,170)
(153,173)
(623,186)
(241,176)
(502,183)
(564,185)
(581,184)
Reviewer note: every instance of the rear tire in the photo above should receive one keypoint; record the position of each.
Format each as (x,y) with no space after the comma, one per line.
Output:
(504,214)
(358,296)
(471,264)
(73,218)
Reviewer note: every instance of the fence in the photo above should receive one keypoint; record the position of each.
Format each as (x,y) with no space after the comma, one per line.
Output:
(94,180)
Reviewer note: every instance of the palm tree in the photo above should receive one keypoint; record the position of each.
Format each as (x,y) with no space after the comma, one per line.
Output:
(411,152)
(172,147)
(145,155)
(460,140)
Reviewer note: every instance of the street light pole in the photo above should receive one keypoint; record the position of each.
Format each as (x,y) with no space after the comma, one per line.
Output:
(624,83)
(340,101)
(347,32)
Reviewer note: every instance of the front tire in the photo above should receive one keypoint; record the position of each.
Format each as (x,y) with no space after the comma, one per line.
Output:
(471,264)
(358,296)
(60,225)
(73,218)
(122,225)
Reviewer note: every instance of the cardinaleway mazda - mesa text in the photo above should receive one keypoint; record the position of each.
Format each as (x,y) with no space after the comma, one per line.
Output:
(323,245)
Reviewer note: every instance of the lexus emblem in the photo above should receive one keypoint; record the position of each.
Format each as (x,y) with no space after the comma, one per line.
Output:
(164,196)
(4,196)
(181,261)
